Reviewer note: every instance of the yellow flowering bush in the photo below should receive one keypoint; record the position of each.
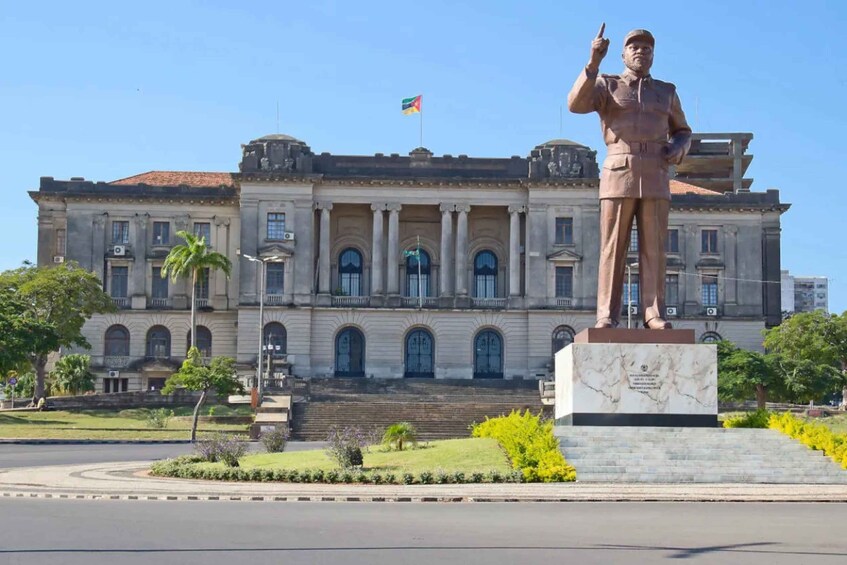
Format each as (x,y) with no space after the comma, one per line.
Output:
(816,436)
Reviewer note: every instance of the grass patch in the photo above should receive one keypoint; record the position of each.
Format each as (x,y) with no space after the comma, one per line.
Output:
(837,423)
(452,455)
(108,424)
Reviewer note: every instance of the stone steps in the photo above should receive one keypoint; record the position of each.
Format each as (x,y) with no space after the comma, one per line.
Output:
(693,455)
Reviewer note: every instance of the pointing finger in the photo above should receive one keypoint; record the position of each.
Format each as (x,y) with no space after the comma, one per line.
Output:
(602,29)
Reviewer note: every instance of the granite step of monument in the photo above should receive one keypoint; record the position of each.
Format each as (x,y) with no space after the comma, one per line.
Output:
(704,478)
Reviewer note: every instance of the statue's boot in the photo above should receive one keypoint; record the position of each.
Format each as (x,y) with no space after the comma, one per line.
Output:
(657,323)
(606,323)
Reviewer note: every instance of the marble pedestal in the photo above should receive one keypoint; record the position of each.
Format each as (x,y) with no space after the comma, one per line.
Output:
(623,378)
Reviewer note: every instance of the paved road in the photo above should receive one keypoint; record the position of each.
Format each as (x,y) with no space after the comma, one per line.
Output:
(36,532)
(15,455)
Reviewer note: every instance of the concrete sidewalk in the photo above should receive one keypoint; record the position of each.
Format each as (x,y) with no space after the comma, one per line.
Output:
(128,481)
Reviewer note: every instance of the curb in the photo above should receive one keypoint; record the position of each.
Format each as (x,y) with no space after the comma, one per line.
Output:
(15,441)
(418,499)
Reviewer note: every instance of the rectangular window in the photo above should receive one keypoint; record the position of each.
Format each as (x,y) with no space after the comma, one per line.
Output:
(672,290)
(115,385)
(672,245)
(275,282)
(564,231)
(709,290)
(564,282)
(61,242)
(630,294)
(276,226)
(120,232)
(202,288)
(160,285)
(161,233)
(633,240)
(204,230)
(118,286)
(709,241)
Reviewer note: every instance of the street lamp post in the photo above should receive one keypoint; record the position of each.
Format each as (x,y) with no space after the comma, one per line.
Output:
(629,267)
(261,315)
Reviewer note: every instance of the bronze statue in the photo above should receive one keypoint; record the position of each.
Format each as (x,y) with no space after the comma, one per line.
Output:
(645,132)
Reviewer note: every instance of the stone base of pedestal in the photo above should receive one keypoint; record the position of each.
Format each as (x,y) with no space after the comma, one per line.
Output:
(632,382)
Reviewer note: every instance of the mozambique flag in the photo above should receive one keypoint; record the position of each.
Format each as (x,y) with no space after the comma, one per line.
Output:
(412,105)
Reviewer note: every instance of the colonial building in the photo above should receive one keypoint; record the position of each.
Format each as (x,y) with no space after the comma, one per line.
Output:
(389,266)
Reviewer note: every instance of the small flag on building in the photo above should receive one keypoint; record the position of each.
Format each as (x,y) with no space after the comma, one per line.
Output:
(412,105)
(412,253)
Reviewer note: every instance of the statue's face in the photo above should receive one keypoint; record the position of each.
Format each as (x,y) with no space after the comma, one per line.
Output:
(638,57)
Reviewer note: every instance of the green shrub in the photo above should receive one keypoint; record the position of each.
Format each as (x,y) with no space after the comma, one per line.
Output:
(345,446)
(425,478)
(159,418)
(221,447)
(274,440)
(399,434)
(757,419)
(816,436)
(530,445)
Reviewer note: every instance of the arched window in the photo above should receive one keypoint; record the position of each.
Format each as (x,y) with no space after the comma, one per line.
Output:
(204,341)
(412,263)
(350,272)
(276,338)
(488,355)
(350,353)
(562,337)
(485,275)
(710,337)
(158,343)
(117,342)
(420,354)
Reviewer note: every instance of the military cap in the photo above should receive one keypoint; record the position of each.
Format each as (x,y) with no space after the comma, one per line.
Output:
(641,34)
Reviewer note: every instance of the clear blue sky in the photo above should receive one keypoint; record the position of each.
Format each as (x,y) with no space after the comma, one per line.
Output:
(106,90)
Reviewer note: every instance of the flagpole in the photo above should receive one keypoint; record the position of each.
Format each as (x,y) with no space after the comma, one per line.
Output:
(421,123)
(420,283)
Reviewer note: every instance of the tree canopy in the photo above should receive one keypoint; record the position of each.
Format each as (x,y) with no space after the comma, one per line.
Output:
(743,374)
(72,373)
(56,301)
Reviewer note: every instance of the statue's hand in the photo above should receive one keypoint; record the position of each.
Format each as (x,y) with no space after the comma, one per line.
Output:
(674,153)
(599,48)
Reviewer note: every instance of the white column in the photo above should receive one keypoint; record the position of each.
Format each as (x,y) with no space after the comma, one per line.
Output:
(446,248)
(393,286)
(462,250)
(324,251)
(515,250)
(376,249)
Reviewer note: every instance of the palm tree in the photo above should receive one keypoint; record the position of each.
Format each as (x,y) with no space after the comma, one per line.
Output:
(400,434)
(189,261)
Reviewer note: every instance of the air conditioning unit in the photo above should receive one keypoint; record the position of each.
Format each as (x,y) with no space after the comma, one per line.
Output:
(58,258)
(711,311)
(288,236)
(114,374)
(671,310)
(119,250)
(633,310)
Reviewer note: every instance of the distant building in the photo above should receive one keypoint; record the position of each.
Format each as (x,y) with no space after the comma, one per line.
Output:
(503,275)
(804,294)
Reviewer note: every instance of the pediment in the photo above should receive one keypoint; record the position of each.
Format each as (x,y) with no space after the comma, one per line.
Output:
(157,366)
(564,256)
(281,250)
(710,263)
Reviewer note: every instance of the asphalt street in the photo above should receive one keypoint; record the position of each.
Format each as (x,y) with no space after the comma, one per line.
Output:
(100,532)
(17,455)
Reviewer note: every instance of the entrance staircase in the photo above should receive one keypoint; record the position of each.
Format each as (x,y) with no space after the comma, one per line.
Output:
(439,409)
(693,455)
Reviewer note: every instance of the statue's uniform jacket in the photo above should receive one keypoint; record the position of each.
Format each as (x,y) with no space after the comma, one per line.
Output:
(641,118)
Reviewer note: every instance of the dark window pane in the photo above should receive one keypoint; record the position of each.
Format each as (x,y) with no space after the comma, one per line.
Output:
(673,241)
(564,282)
(350,353)
(419,354)
(672,290)
(275,283)
(564,231)
(275,339)
(202,288)
(117,342)
(562,337)
(709,290)
(120,232)
(488,355)
(160,285)
(276,226)
(709,241)
(118,288)
(485,275)
(350,272)
(161,233)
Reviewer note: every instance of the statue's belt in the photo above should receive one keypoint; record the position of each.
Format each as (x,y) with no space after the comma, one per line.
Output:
(636,148)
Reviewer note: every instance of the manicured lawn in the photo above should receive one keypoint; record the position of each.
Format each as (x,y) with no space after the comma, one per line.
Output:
(109,424)
(467,455)
(837,423)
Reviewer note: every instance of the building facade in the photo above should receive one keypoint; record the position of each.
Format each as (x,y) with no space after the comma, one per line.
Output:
(804,294)
(391,266)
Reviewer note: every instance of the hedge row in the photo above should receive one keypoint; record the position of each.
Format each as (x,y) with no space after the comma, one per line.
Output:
(757,419)
(186,467)
(530,444)
(812,434)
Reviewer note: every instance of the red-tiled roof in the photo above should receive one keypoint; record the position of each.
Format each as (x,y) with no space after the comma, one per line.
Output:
(176,178)
(678,187)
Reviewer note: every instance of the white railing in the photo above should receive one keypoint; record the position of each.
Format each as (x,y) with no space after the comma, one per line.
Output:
(488,302)
(201,302)
(116,361)
(120,301)
(567,302)
(274,299)
(351,300)
(414,301)
(160,303)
